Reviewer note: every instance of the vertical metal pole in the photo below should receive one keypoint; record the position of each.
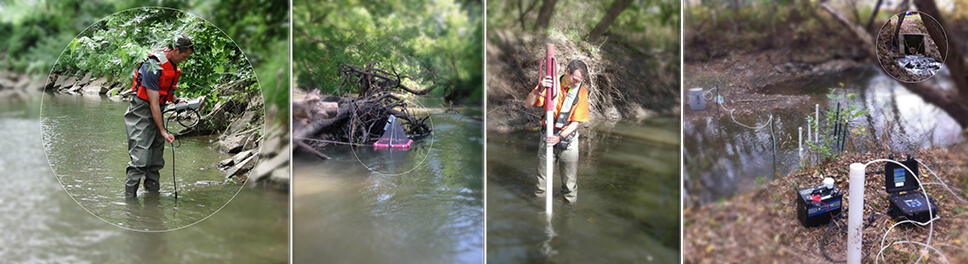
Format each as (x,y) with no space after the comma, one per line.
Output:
(843,139)
(836,134)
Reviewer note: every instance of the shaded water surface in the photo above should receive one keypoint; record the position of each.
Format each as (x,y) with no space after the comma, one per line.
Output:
(423,205)
(628,198)
(42,224)
(722,158)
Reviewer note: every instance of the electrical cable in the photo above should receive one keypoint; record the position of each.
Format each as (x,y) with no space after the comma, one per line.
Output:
(731,111)
(174,183)
(926,245)
(192,118)
(931,215)
(929,223)
(823,244)
(941,182)
(832,225)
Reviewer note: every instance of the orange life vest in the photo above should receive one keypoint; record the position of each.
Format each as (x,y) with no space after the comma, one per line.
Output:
(167,81)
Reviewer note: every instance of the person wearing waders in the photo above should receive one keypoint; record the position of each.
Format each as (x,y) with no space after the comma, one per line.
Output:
(154,85)
(571,109)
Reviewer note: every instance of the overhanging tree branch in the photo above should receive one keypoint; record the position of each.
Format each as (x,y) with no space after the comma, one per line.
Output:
(953,102)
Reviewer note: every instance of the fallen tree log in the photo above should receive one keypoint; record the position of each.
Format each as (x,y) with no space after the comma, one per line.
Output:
(358,121)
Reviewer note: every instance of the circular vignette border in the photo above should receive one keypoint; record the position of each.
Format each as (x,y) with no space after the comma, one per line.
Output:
(433,138)
(44,142)
(877,52)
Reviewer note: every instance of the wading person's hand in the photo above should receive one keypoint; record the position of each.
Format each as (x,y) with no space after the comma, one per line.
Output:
(168,137)
(548,81)
(552,139)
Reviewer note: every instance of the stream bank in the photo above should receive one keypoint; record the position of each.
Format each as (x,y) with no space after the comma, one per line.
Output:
(748,80)
(17,87)
(760,225)
(627,83)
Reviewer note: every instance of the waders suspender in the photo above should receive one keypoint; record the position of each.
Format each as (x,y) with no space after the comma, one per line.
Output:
(164,98)
(567,107)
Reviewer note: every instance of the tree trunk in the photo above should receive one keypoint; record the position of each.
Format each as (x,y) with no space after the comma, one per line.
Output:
(897,32)
(523,12)
(613,12)
(853,10)
(953,102)
(870,21)
(953,57)
(544,15)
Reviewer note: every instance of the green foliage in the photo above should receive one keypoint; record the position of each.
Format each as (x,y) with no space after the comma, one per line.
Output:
(438,43)
(261,29)
(34,33)
(650,24)
(114,46)
(849,111)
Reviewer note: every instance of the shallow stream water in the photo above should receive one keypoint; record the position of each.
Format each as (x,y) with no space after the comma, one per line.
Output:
(628,198)
(422,205)
(87,147)
(722,158)
(42,224)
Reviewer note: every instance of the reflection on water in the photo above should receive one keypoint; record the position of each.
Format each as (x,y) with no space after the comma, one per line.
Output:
(723,158)
(41,224)
(346,213)
(87,148)
(628,203)
(393,161)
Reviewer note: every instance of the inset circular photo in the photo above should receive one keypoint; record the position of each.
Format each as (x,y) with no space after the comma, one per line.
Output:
(152,119)
(911,47)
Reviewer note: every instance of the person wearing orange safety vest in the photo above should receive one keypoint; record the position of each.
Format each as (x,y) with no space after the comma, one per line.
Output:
(571,109)
(154,85)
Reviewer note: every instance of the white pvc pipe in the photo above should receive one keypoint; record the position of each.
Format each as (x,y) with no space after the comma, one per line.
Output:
(809,135)
(800,140)
(816,127)
(549,161)
(855,213)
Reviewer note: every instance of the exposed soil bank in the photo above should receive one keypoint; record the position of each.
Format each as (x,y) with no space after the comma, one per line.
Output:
(627,83)
(748,81)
